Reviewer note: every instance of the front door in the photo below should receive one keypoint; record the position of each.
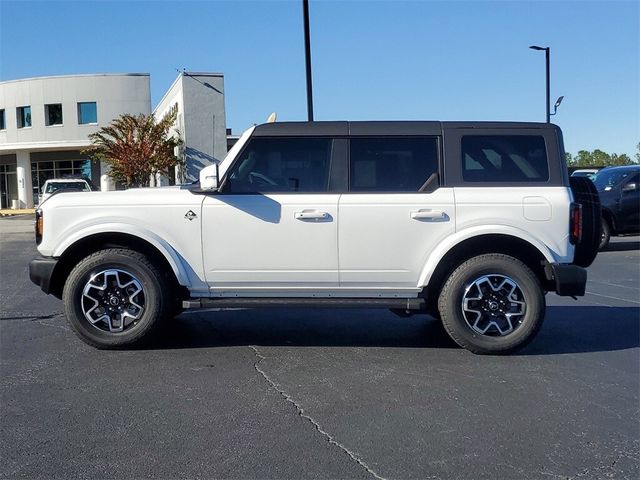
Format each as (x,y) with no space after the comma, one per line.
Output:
(272,229)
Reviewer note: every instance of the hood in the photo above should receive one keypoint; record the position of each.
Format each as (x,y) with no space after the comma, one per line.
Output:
(133,197)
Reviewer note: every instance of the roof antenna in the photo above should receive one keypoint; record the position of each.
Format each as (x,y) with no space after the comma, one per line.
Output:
(272,118)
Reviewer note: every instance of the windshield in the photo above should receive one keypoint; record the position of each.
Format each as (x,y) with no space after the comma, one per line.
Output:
(55,186)
(589,175)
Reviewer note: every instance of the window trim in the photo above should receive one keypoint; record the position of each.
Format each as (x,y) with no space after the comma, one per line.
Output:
(224,181)
(439,162)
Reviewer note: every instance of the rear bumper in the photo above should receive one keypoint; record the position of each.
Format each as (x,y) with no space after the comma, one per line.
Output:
(569,280)
(41,270)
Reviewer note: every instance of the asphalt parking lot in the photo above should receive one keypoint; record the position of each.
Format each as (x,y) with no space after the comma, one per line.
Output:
(321,394)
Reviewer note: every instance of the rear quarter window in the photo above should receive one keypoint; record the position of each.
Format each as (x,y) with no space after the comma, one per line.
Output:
(504,158)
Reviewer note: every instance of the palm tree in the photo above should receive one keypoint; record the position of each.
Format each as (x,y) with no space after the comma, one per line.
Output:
(136,147)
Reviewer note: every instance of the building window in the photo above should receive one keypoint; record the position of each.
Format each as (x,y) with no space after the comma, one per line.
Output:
(87,113)
(53,114)
(3,124)
(24,116)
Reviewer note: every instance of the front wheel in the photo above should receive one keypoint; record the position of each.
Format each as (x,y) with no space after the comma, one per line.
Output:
(492,304)
(115,298)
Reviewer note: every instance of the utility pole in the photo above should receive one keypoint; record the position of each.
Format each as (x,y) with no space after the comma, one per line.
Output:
(547,54)
(307,53)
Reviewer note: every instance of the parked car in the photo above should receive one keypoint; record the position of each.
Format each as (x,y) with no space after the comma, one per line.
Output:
(590,173)
(471,222)
(54,185)
(619,190)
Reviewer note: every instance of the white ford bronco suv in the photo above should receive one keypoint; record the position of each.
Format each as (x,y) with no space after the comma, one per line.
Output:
(470,222)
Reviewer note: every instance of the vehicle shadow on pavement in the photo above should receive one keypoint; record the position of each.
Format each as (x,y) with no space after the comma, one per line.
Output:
(566,330)
(623,246)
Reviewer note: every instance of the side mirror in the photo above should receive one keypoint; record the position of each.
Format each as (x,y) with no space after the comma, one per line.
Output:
(630,187)
(209,178)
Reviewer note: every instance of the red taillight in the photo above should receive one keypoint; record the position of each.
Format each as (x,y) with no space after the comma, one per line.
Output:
(575,228)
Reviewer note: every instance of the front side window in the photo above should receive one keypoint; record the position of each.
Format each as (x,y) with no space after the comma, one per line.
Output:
(391,164)
(23,115)
(504,158)
(87,113)
(53,114)
(281,165)
(3,124)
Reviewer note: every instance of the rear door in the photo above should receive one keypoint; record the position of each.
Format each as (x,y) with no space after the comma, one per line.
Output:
(273,227)
(389,220)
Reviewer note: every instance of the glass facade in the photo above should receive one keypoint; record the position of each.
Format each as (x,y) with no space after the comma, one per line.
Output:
(3,123)
(8,185)
(87,113)
(43,171)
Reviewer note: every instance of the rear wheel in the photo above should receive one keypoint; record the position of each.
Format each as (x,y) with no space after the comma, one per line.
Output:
(492,304)
(116,298)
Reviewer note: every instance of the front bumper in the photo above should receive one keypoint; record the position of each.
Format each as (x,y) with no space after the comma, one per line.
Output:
(41,270)
(569,280)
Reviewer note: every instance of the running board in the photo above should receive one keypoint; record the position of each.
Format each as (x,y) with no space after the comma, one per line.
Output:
(239,302)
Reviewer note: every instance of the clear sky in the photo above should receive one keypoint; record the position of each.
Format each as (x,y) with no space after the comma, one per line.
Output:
(428,60)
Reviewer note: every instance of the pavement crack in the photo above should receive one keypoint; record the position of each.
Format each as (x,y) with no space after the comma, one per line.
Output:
(39,319)
(304,415)
(32,318)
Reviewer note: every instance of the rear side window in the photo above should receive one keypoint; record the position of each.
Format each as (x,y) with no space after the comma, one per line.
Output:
(504,158)
(391,164)
(282,165)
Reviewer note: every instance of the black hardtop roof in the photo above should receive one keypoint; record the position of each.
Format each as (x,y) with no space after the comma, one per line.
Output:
(410,127)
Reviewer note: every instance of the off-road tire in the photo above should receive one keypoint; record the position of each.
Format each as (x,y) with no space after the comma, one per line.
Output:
(586,194)
(156,290)
(451,296)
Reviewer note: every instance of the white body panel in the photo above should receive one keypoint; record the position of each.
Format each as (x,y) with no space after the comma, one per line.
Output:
(366,245)
(539,215)
(156,215)
(385,239)
(267,242)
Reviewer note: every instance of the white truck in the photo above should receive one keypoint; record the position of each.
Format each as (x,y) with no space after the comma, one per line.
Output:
(470,222)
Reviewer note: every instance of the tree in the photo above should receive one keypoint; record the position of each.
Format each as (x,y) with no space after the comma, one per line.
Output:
(136,147)
(598,158)
(638,153)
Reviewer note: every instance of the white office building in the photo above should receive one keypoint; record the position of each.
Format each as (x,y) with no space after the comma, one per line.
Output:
(45,123)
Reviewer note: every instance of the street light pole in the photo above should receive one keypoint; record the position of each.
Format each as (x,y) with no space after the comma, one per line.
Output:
(307,53)
(547,53)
